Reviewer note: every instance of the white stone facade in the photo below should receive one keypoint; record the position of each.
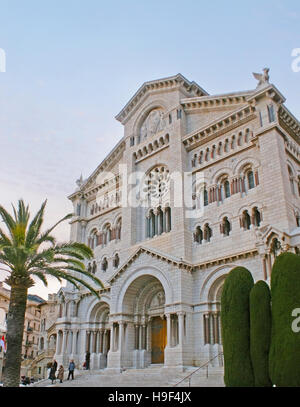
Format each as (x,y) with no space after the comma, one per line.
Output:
(164,264)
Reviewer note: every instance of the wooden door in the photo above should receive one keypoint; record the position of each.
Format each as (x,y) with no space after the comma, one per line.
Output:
(158,339)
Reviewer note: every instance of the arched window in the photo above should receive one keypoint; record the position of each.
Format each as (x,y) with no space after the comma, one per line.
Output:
(298,219)
(207,155)
(226,146)
(116,261)
(200,157)
(213,152)
(246,220)
(104,264)
(205,197)
(92,240)
(247,135)
(220,148)
(168,219)
(291,180)
(240,139)
(256,217)
(118,229)
(107,235)
(233,142)
(226,227)
(94,267)
(226,189)
(207,232)
(250,178)
(299,186)
(198,235)
(275,247)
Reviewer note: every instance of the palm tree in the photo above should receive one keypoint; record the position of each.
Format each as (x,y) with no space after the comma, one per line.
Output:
(27,252)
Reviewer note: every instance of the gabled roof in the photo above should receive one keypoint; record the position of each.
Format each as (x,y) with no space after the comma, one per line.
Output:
(176,81)
(154,253)
(101,167)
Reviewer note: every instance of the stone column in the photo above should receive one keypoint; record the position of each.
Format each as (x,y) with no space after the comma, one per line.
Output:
(104,345)
(167,220)
(101,333)
(269,263)
(87,338)
(216,328)
(148,346)
(206,329)
(74,346)
(121,336)
(140,337)
(64,341)
(181,327)
(155,222)
(168,316)
(264,266)
(164,219)
(144,336)
(58,343)
(112,338)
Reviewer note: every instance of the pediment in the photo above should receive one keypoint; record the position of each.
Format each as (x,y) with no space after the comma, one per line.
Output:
(191,89)
(150,253)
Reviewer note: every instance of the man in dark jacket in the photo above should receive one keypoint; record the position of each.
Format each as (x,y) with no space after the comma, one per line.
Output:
(71,369)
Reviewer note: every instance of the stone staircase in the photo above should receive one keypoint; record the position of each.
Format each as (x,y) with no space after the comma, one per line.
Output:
(153,376)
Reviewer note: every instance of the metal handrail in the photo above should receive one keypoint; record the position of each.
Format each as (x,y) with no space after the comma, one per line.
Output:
(201,367)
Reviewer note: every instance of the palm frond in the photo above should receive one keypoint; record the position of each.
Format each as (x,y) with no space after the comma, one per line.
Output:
(42,237)
(72,279)
(35,225)
(7,219)
(41,276)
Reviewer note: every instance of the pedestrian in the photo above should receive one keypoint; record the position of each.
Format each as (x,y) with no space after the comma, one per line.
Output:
(87,360)
(60,374)
(54,364)
(52,374)
(71,369)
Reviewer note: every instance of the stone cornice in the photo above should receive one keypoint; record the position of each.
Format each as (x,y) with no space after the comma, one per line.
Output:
(215,101)
(219,126)
(270,91)
(110,159)
(289,122)
(101,291)
(168,258)
(226,259)
(177,81)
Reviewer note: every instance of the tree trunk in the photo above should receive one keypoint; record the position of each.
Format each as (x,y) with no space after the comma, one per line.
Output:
(14,336)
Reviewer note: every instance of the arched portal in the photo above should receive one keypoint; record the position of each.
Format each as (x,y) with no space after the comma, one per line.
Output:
(144,303)
(98,336)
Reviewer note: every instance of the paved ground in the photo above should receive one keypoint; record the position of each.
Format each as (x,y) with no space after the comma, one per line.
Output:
(151,377)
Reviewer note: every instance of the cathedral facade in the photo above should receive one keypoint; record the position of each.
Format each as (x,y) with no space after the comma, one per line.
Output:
(198,185)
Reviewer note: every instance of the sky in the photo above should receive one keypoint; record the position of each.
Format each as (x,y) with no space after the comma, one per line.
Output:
(72,65)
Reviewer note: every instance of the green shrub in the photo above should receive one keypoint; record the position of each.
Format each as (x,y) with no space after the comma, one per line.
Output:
(260,333)
(284,358)
(235,319)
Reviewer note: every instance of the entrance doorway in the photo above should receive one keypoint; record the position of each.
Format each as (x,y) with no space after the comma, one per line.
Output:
(158,339)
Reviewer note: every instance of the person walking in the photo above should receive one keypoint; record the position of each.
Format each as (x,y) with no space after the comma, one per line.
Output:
(71,369)
(54,364)
(52,376)
(60,374)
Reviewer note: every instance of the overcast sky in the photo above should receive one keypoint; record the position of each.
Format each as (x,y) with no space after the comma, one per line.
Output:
(72,65)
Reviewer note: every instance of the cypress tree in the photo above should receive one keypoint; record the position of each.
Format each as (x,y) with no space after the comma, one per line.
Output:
(235,319)
(284,358)
(260,333)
